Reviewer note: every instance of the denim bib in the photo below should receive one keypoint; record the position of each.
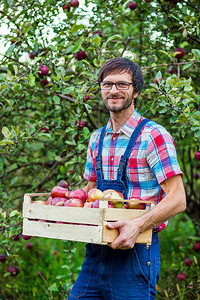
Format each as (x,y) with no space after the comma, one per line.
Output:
(121,183)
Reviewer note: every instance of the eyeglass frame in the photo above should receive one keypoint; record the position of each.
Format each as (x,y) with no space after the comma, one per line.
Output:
(115,83)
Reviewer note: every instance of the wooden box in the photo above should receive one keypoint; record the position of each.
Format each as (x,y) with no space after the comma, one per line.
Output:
(79,223)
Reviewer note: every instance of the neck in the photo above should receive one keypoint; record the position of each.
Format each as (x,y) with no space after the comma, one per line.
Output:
(121,117)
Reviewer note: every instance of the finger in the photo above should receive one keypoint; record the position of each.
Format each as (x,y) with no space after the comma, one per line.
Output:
(116,224)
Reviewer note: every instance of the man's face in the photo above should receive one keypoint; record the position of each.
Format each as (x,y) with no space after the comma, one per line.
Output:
(117,100)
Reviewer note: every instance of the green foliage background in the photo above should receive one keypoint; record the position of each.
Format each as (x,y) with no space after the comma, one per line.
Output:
(40,139)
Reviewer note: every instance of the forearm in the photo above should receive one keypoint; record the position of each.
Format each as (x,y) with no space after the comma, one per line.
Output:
(89,186)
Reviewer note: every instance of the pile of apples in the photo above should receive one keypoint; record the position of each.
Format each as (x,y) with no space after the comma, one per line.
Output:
(61,196)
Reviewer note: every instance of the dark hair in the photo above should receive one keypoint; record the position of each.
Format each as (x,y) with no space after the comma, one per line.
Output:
(119,65)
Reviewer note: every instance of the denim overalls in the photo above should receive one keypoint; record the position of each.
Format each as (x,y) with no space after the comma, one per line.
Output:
(118,274)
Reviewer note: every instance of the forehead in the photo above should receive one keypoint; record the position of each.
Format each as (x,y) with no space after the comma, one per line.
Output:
(114,77)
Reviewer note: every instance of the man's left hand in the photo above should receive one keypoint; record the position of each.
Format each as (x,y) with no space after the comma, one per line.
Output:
(128,233)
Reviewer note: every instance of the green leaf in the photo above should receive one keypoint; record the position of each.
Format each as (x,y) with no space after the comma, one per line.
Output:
(196,52)
(187,88)
(6,142)
(186,66)
(6,132)
(53,287)
(113,37)
(31,79)
(56,99)
(13,213)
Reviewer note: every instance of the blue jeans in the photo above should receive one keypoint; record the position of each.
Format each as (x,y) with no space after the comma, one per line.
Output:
(118,274)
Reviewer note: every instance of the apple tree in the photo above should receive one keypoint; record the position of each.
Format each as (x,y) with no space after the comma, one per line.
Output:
(49,95)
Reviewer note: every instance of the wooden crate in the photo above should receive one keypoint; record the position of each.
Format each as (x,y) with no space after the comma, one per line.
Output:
(82,224)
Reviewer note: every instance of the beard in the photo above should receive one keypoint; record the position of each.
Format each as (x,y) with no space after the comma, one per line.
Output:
(127,102)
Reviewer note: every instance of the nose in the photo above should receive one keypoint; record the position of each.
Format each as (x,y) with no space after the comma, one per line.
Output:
(114,87)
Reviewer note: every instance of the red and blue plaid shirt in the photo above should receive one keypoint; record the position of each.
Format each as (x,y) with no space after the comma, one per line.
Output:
(153,158)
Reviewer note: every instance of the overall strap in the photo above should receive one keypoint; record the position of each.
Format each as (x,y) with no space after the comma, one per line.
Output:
(125,157)
(99,156)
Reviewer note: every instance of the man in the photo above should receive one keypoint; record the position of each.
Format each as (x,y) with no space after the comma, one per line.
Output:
(137,157)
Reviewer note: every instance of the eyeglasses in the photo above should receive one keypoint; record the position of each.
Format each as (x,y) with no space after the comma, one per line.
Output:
(120,85)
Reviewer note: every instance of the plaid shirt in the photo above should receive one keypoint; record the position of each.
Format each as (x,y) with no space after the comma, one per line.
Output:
(153,158)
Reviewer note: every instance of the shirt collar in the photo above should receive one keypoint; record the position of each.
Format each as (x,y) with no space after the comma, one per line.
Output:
(128,127)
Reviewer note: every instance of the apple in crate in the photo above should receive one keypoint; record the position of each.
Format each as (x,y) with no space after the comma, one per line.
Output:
(39,202)
(88,204)
(79,194)
(58,201)
(49,201)
(58,191)
(94,194)
(74,202)
(95,204)
(114,195)
(136,205)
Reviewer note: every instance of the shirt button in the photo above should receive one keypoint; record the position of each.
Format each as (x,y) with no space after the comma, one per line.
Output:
(114,138)
(147,246)
(112,159)
(148,263)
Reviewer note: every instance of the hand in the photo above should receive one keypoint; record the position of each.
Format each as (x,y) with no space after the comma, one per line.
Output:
(128,233)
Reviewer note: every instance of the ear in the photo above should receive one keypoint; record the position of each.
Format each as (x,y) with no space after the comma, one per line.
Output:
(135,95)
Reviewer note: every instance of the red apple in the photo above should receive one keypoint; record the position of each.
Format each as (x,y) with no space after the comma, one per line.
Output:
(95,204)
(64,184)
(58,191)
(49,201)
(39,202)
(97,32)
(114,195)
(73,202)
(32,55)
(44,82)
(182,276)
(88,204)
(136,205)
(132,5)
(74,3)
(14,271)
(171,70)
(58,201)
(80,124)
(94,194)
(25,237)
(188,262)
(16,237)
(3,258)
(29,246)
(156,80)
(66,7)
(43,70)
(196,247)
(197,155)
(80,194)
(179,52)
(80,55)
(86,97)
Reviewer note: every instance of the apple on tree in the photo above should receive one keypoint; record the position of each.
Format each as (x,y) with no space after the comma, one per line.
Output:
(43,70)
(132,5)
(179,52)
(197,155)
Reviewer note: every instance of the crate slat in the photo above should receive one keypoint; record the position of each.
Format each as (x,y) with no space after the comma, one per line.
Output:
(113,214)
(108,235)
(91,234)
(63,214)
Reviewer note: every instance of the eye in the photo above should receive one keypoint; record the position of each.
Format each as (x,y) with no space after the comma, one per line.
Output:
(106,84)
(122,84)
